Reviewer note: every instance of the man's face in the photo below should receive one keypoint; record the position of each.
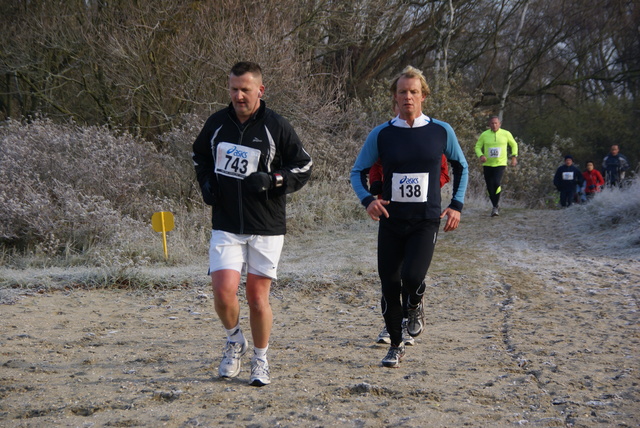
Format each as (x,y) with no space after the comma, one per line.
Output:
(494,124)
(409,97)
(568,162)
(589,166)
(245,92)
(615,150)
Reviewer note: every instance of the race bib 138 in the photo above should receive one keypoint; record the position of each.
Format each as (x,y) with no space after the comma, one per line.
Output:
(410,187)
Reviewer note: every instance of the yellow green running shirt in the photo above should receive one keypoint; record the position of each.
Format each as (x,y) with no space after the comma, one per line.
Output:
(493,145)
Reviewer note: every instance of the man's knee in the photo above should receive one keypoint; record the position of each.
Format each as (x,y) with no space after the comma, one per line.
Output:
(225,285)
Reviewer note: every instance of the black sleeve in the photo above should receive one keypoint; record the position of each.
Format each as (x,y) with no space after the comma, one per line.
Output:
(296,164)
(203,163)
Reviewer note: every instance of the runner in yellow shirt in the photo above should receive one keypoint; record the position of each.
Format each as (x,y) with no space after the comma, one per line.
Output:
(491,148)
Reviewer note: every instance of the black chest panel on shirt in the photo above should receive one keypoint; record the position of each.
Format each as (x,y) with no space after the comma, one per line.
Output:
(413,150)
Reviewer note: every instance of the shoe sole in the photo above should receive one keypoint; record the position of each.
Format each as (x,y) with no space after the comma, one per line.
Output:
(258,382)
(385,340)
(416,334)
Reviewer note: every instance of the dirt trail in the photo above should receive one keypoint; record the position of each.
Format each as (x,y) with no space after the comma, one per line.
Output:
(524,328)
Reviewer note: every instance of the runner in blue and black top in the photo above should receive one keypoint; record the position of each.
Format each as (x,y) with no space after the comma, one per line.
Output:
(410,148)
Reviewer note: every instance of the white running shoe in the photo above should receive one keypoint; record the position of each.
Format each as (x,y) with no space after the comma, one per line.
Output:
(406,337)
(394,356)
(259,373)
(384,336)
(495,212)
(230,364)
(416,320)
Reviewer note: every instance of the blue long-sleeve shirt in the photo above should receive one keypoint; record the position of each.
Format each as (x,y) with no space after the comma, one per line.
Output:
(412,155)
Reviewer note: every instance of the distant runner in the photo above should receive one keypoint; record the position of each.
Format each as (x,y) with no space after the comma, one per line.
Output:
(614,167)
(491,148)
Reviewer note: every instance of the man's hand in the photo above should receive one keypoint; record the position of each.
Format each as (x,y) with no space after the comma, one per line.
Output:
(376,209)
(207,194)
(483,159)
(514,161)
(258,182)
(453,219)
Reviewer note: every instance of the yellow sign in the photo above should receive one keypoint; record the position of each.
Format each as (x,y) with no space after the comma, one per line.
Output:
(163,222)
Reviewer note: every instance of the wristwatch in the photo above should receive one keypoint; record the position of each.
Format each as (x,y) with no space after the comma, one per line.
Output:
(278,180)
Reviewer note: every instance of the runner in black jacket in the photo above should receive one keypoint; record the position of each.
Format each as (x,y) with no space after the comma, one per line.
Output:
(236,208)
(247,158)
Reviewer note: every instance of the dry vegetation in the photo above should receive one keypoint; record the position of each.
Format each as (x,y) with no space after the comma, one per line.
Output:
(103,100)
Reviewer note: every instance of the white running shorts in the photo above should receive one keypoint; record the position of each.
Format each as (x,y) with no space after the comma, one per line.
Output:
(259,253)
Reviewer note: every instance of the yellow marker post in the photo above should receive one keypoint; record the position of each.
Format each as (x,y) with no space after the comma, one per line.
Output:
(163,222)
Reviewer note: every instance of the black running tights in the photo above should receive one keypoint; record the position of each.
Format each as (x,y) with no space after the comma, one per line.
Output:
(493,177)
(405,250)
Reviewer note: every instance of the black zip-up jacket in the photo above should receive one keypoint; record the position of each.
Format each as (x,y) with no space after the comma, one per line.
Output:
(237,209)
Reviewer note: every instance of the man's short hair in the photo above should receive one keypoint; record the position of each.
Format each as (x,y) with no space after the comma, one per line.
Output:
(411,72)
(243,67)
(494,116)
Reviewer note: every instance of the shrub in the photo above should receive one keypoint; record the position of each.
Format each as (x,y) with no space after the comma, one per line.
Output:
(531,182)
(66,188)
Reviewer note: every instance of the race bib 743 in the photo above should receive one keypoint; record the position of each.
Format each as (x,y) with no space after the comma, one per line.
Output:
(234,160)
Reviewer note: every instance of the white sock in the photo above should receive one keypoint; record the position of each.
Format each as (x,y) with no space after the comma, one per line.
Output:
(235,334)
(260,353)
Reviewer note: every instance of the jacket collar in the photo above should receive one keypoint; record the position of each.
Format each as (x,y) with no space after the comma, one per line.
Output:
(258,114)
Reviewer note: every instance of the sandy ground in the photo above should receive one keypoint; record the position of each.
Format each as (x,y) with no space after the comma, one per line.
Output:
(526,326)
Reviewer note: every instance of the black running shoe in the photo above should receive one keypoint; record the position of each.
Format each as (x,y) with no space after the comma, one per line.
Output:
(394,356)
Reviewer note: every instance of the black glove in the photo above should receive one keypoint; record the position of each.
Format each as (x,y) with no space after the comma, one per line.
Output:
(207,194)
(375,188)
(259,182)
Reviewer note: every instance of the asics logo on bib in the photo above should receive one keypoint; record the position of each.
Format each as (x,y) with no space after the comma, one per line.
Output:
(407,180)
(238,153)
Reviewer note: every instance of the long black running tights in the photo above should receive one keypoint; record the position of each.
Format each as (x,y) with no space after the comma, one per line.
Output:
(493,177)
(405,250)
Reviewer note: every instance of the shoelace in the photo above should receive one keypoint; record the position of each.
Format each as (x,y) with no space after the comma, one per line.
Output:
(394,353)
(232,350)
(260,368)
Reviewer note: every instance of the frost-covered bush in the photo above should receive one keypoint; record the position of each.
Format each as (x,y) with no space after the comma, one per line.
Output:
(65,188)
(612,217)
(531,181)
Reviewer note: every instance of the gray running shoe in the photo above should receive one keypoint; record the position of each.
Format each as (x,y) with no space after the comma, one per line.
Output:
(384,336)
(415,324)
(394,356)
(230,364)
(259,373)
(495,212)
(406,337)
